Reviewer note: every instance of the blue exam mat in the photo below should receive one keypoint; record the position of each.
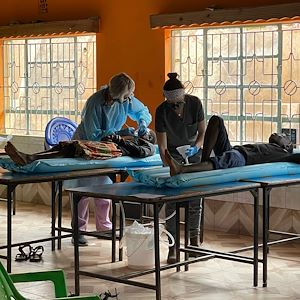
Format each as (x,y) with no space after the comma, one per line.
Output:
(72,164)
(160,177)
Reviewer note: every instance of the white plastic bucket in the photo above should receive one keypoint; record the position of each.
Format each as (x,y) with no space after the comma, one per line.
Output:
(139,240)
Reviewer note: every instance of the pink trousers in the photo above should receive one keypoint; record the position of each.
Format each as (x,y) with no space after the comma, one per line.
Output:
(102,207)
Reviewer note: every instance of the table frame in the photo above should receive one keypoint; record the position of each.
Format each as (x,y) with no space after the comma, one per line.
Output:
(267,184)
(11,180)
(135,192)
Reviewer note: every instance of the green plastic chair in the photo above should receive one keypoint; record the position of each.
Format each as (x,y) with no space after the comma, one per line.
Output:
(8,290)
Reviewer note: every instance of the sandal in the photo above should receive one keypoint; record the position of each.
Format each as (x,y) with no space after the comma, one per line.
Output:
(36,254)
(24,255)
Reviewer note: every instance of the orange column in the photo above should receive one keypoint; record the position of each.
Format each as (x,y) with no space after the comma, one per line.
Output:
(1,90)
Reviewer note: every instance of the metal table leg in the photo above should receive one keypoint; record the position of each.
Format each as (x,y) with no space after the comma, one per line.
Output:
(14,202)
(202,220)
(53,213)
(9,197)
(255,236)
(76,199)
(114,227)
(59,214)
(186,231)
(121,233)
(266,203)
(157,254)
(177,238)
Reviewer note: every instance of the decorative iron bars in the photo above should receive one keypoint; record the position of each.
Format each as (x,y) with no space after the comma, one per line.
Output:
(249,75)
(44,78)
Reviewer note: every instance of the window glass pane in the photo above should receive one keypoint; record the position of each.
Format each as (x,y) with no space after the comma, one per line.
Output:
(44,78)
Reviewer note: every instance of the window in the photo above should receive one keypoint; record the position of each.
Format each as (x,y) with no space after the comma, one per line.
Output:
(250,75)
(44,78)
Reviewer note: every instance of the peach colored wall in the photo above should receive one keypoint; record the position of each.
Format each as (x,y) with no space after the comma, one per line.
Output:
(126,42)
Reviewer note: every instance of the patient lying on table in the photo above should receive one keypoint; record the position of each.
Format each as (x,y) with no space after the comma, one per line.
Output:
(279,149)
(110,147)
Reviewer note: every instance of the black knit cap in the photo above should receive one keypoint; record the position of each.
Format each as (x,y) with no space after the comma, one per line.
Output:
(173,83)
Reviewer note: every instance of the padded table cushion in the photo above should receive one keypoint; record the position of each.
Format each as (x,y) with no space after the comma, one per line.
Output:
(72,164)
(160,177)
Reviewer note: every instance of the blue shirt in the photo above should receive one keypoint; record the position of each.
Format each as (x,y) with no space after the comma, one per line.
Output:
(99,120)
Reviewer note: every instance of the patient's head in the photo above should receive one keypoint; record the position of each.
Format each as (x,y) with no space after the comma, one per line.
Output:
(281,140)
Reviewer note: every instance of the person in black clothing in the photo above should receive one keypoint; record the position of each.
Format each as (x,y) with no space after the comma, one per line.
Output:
(179,121)
(108,147)
(279,149)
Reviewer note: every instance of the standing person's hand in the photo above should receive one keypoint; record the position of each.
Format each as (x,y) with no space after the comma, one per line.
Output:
(126,131)
(142,128)
(107,132)
(191,151)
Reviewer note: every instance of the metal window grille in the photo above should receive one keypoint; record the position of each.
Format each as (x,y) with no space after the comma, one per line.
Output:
(45,78)
(249,75)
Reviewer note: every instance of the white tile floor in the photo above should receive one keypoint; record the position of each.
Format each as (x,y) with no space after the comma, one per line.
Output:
(212,279)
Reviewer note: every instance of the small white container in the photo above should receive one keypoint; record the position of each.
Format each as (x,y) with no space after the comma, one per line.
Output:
(181,150)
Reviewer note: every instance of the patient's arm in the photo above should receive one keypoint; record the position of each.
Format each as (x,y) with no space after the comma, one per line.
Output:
(176,168)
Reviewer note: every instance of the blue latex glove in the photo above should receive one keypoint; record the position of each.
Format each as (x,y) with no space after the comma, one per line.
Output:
(191,151)
(142,128)
(126,131)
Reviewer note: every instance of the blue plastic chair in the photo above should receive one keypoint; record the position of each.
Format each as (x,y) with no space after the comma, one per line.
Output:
(59,129)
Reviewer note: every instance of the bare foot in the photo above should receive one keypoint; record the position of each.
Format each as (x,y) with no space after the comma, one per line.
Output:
(175,167)
(17,157)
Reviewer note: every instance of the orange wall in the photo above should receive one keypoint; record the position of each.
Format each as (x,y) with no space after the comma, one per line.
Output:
(2,129)
(126,42)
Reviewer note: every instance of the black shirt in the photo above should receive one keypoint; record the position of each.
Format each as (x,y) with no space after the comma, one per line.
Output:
(136,148)
(132,146)
(180,130)
(263,153)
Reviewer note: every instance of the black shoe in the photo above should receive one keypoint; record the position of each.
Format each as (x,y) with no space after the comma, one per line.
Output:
(82,241)
(172,255)
(106,233)
(196,243)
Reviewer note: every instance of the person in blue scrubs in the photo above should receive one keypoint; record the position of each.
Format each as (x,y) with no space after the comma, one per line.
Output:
(180,121)
(105,113)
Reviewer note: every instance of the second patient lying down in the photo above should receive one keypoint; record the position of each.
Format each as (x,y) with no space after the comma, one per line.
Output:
(110,147)
(279,149)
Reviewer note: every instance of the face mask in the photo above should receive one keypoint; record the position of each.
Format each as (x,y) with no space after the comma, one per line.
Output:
(125,97)
(123,100)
